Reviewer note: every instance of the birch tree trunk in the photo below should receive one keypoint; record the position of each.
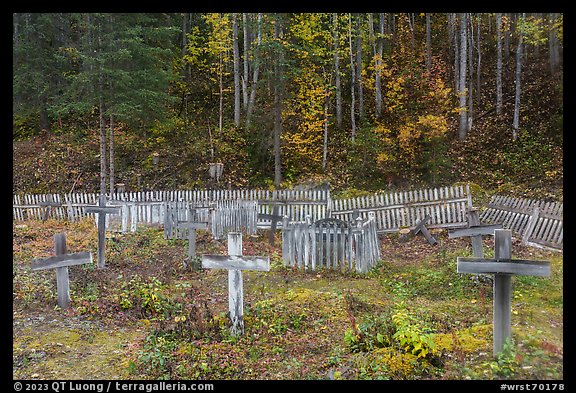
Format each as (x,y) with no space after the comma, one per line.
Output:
(499,64)
(518,74)
(278,89)
(470,73)
(378,66)
(359,66)
(428,44)
(353,81)
(112,176)
(236,53)
(336,39)
(553,46)
(463,125)
(246,64)
(256,72)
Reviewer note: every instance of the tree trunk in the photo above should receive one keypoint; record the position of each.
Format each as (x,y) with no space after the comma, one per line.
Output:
(278,90)
(221,91)
(463,126)
(478,69)
(353,82)
(325,142)
(246,62)
(111,164)
(359,67)
(553,46)
(499,64)
(256,72)
(428,44)
(236,53)
(102,147)
(516,121)
(470,73)
(506,39)
(378,65)
(336,40)
(456,55)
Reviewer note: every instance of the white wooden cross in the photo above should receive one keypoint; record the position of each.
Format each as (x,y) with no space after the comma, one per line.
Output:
(235,263)
(503,267)
(102,210)
(60,262)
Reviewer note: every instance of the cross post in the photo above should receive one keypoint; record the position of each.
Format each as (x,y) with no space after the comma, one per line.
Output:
(235,263)
(503,267)
(60,262)
(49,206)
(475,231)
(102,210)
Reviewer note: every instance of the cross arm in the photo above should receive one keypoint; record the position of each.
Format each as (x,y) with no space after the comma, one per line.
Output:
(102,209)
(232,262)
(79,258)
(491,266)
(193,225)
(474,230)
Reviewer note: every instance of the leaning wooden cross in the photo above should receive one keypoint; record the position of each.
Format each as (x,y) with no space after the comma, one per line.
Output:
(419,228)
(60,262)
(49,206)
(475,231)
(503,267)
(235,263)
(102,210)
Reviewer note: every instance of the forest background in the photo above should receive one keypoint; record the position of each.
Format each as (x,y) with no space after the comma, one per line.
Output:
(369,101)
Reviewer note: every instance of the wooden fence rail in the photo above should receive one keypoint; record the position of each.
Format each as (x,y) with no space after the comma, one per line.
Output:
(539,223)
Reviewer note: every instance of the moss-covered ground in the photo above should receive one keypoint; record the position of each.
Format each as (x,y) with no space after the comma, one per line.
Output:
(152,313)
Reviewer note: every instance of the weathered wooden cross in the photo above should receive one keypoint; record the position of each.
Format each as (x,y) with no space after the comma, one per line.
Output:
(102,210)
(503,267)
(475,231)
(420,228)
(235,263)
(49,206)
(192,226)
(60,262)
(275,218)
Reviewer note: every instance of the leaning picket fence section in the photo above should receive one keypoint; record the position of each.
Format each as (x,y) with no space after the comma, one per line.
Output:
(446,206)
(539,223)
(331,243)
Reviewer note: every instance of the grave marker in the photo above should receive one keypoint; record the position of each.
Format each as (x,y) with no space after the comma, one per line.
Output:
(49,206)
(192,226)
(503,267)
(421,228)
(102,210)
(475,231)
(275,218)
(234,262)
(60,262)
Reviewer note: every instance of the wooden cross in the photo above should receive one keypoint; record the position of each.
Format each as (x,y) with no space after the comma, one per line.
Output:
(503,267)
(475,231)
(235,263)
(49,206)
(102,210)
(275,218)
(421,227)
(192,226)
(60,262)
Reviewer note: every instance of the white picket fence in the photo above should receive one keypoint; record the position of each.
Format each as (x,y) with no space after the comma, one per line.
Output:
(331,243)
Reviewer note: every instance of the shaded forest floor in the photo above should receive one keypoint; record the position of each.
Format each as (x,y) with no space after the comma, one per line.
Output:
(151,313)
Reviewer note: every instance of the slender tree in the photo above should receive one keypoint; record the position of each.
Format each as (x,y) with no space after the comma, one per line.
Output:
(499,63)
(278,92)
(338,87)
(463,125)
(517,77)
(353,82)
(236,54)
(256,72)
(428,44)
(359,66)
